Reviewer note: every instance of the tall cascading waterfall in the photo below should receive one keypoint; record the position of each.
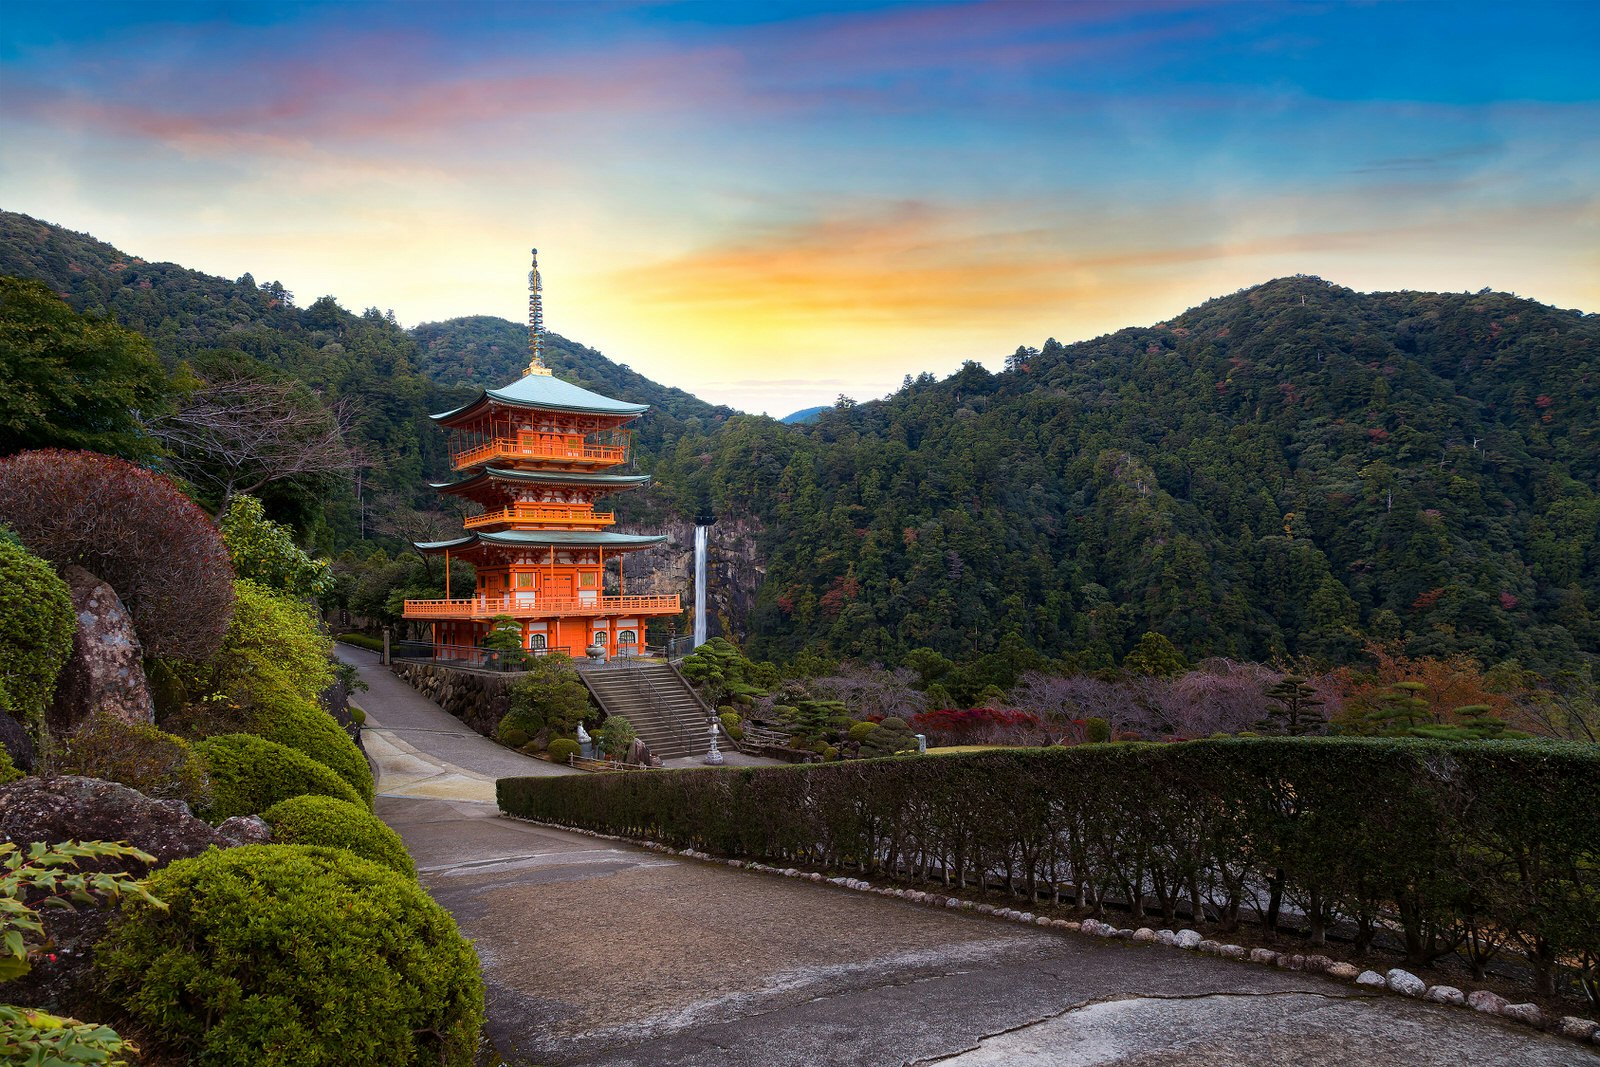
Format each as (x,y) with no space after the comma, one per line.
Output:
(700,533)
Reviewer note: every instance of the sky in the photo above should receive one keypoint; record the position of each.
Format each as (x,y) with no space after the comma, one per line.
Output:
(772,205)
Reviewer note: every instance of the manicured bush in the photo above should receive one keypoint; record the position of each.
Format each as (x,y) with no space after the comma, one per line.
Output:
(280,955)
(36,627)
(562,749)
(249,774)
(138,755)
(861,731)
(1096,730)
(314,820)
(366,641)
(303,725)
(732,725)
(891,736)
(615,735)
(1434,838)
(513,737)
(549,696)
(132,529)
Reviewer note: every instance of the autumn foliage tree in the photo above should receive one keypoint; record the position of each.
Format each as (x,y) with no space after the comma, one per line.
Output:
(1425,696)
(133,529)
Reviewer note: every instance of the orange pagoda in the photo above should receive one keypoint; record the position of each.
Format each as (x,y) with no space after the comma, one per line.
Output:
(534,456)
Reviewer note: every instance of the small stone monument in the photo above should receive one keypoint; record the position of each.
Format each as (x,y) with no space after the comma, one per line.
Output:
(714,757)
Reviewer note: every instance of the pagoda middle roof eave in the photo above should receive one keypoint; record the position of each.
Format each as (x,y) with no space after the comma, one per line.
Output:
(503,474)
(544,539)
(539,393)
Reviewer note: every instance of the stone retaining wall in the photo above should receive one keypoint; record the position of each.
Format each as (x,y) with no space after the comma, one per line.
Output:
(478,698)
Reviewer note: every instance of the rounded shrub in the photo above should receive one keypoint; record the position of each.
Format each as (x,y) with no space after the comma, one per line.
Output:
(1096,730)
(563,749)
(514,737)
(249,774)
(860,730)
(303,725)
(315,820)
(279,955)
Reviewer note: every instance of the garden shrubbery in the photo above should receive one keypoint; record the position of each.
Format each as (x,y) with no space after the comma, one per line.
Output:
(319,820)
(249,774)
(36,626)
(1500,839)
(296,956)
(137,755)
(303,725)
(563,749)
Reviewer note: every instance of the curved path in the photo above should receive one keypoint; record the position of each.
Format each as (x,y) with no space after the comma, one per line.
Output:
(600,953)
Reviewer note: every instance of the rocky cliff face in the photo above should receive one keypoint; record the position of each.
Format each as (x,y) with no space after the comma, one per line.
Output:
(734,570)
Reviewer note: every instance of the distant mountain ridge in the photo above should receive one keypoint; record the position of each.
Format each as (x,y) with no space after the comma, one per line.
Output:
(1289,470)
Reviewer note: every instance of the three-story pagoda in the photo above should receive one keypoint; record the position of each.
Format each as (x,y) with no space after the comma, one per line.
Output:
(535,455)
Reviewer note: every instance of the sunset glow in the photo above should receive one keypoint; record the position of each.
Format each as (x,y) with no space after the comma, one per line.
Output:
(770,205)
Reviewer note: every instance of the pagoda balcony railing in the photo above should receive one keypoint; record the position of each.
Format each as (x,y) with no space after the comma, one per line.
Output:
(533,446)
(575,514)
(531,607)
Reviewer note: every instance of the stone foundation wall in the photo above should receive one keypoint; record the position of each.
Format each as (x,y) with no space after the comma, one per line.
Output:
(478,698)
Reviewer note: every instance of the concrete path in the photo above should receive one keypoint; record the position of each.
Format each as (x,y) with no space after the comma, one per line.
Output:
(601,953)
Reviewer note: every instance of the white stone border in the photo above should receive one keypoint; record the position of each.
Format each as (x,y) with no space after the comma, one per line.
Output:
(1399,982)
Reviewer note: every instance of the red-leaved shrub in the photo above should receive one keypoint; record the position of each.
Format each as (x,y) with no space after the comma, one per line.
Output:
(969,726)
(133,529)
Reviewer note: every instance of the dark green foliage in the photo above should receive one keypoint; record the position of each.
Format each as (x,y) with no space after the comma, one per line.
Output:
(8,770)
(249,774)
(723,674)
(71,381)
(563,749)
(36,627)
(1278,471)
(138,755)
(304,726)
(366,641)
(295,956)
(1442,835)
(615,735)
(1296,712)
(732,725)
(813,720)
(1156,656)
(1096,730)
(550,696)
(317,820)
(891,736)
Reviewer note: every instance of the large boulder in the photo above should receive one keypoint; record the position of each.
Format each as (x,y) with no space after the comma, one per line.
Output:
(106,670)
(70,808)
(14,739)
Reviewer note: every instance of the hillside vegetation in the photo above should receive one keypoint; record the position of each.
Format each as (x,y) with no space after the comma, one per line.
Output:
(1287,471)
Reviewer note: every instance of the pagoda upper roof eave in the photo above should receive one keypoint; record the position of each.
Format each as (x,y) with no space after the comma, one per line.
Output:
(484,475)
(541,392)
(544,539)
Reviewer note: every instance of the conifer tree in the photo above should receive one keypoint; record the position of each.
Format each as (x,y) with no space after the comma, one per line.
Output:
(1296,713)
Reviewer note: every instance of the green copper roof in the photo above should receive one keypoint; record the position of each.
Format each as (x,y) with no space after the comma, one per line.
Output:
(549,393)
(544,538)
(597,481)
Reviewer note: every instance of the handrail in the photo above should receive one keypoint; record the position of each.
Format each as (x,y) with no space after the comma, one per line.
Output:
(578,514)
(484,607)
(530,446)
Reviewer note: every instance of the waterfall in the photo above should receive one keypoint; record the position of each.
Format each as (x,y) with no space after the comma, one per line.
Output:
(700,585)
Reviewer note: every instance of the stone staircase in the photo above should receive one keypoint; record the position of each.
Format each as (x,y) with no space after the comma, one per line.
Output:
(653,696)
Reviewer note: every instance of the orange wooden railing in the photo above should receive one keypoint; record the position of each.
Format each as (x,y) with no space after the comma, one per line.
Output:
(529,446)
(577,514)
(484,607)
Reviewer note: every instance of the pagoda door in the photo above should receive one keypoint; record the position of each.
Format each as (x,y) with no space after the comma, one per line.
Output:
(560,586)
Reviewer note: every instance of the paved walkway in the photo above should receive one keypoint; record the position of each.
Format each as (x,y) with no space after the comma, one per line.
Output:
(600,953)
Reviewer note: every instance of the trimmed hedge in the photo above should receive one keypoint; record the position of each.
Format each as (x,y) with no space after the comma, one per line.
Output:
(1435,838)
(295,956)
(315,820)
(249,774)
(303,725)
(366,641)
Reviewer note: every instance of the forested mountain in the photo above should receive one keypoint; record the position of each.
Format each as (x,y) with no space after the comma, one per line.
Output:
(392,381)
(1287,470)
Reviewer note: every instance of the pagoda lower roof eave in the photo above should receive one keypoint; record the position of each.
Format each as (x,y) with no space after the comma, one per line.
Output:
(505,474)
(545,539)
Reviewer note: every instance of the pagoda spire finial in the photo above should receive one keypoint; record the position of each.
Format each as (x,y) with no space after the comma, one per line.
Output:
(536,320)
